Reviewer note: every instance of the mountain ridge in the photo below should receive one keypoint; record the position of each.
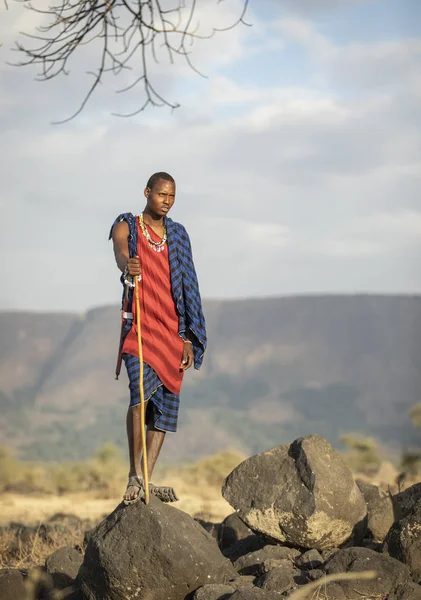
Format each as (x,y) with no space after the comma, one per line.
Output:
(275,367)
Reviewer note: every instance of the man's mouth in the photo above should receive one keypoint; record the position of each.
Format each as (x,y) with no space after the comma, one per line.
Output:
(166,208)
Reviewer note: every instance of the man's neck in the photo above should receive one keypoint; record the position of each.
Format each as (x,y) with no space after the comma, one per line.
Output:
(152,219)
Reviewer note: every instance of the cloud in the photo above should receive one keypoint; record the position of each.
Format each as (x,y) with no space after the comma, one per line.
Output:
(279,185)
(365,66)
(310,7)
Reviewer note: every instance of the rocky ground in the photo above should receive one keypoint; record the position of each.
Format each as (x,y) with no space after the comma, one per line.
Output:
(300,526)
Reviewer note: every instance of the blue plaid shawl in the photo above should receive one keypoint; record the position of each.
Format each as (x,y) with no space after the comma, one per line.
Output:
(184,284)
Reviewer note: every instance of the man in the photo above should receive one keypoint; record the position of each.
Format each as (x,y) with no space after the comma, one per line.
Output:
(157,250)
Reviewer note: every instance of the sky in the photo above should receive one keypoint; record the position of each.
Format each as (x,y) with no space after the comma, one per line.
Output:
(297,159)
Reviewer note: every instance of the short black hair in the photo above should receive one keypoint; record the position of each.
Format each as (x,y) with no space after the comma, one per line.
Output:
(153,179)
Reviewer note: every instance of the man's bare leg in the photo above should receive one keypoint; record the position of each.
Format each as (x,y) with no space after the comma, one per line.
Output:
(154,440)
(134,439)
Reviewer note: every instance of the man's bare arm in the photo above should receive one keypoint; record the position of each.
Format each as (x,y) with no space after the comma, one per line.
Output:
(121,249)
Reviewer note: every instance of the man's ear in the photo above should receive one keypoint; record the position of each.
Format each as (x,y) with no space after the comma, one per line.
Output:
(147,191)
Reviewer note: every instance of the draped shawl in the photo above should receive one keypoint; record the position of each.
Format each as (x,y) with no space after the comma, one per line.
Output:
(184,284)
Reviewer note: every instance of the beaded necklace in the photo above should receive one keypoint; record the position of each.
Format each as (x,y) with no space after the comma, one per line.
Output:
(157,246)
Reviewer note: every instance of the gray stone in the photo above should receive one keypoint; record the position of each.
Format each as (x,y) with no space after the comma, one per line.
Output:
(210,526)
(416,576)
(391,581)
(243,581)
(302,494)
(250,564)
(154,552)
(403,541)
(255,593)
(380,510)
(214,591)
(315,574)
(12,585)
(286,564)
(232,530)
(309,560)
(276,580)
(405,501)
(412,592)
(63,566)
(249,544)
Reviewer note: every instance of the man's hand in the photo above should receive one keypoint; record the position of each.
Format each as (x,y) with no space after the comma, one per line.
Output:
(133,266)
(188,357)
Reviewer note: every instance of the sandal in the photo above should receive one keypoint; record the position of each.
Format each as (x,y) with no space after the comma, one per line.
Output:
(165,494)
(135,482)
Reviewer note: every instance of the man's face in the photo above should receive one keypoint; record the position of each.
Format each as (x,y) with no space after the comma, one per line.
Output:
(161,197)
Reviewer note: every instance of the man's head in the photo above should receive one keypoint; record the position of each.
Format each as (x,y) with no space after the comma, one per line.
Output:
(160,194)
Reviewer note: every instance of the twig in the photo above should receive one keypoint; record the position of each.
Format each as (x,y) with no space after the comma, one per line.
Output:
(125,30)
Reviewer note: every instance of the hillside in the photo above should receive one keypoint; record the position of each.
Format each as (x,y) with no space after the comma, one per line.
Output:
(275,369)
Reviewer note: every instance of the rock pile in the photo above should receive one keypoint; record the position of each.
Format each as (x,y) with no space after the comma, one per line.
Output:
(300,520)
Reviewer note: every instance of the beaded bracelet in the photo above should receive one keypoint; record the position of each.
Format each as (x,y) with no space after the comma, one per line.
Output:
(188,342)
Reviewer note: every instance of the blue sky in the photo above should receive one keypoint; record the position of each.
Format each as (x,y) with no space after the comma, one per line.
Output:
(297,159)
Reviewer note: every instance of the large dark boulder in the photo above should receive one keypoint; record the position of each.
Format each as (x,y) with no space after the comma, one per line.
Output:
(63,566)
(380,510)
(392,580)
(12,585)
(403,541)
(302,494)
(154,552)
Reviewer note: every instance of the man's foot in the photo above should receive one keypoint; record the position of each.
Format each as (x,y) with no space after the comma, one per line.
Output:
(134,490)
(165,494)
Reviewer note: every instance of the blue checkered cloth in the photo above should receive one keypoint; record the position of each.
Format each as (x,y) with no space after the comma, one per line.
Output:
(184,284)
(163,405)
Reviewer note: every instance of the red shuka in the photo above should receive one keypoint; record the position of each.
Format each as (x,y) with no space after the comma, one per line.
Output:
(161,345)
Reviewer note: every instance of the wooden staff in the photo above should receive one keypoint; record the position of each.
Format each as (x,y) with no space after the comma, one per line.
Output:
(142,394)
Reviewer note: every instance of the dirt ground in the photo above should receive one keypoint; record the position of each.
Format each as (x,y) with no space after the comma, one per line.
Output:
(34,508)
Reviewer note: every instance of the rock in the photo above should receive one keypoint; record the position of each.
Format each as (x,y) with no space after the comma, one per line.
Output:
(210,526)
(277,563)
(309,560)
(405,501)
(12,584)
(416,576)
(302,494)
(232,530)
(315,574)
(412,592)
(243,581)
(214,591)
(325,554)
(392,577)
(380,510)
(244,546)
(372,545)
(154,551)
(63,566)
(250,564)
(255,593)
(276,580)
(403,541)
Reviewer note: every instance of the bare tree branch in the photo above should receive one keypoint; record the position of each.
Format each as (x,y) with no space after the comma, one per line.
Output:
(127,34)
